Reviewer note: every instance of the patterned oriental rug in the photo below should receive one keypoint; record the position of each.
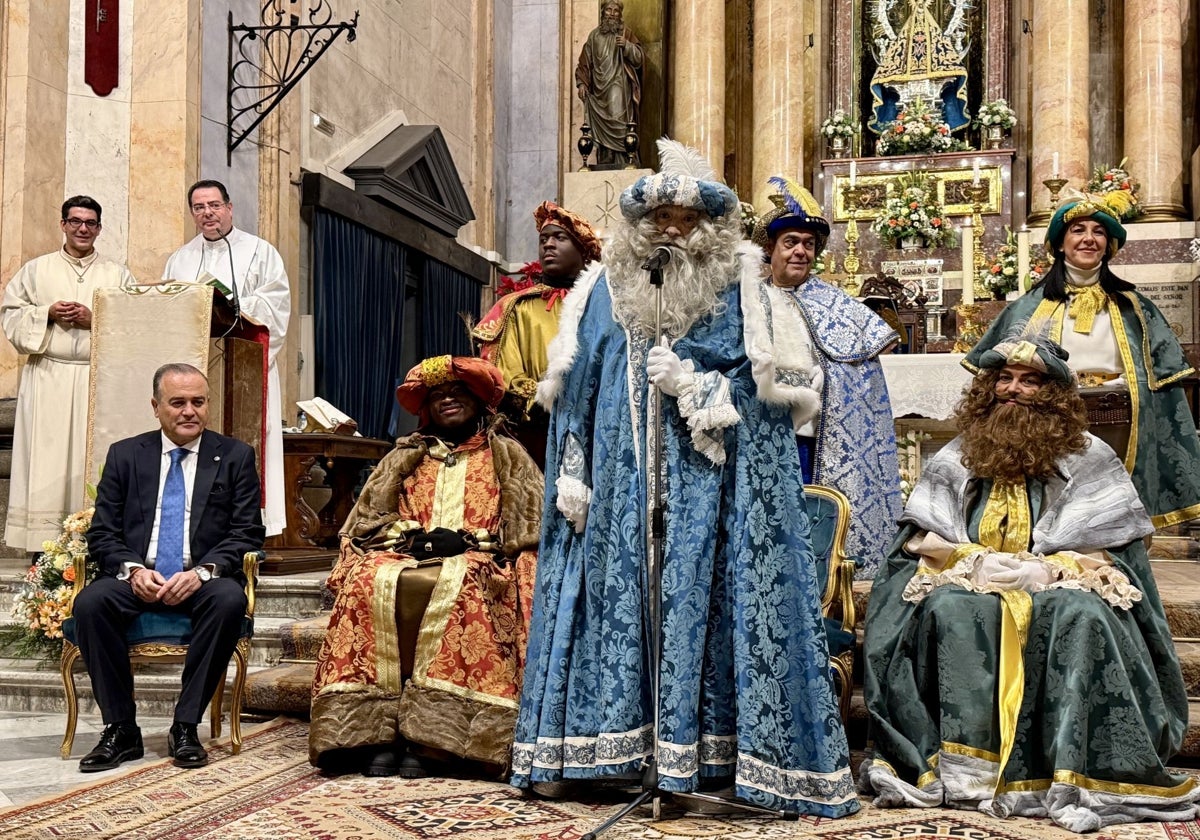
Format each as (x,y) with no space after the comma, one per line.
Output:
(270,792)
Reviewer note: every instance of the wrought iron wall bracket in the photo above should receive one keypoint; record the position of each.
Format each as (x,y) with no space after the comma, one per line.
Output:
(266,61)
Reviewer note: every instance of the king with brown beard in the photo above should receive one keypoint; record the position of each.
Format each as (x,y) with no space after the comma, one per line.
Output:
(1018,659)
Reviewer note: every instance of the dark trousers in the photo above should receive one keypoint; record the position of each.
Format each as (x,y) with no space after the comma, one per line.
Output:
(105,609)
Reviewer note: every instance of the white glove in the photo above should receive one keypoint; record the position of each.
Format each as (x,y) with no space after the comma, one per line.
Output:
(994,563)
(664,369)
(1032,575)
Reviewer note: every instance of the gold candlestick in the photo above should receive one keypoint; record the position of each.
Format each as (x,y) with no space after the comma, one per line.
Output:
(969,328)
(978,193)
(1055,186)
(852,196)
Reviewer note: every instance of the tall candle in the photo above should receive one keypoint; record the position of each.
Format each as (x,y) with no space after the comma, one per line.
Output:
(1054,165)
(975,174)
(853,173)
(1022,259)
(968,261)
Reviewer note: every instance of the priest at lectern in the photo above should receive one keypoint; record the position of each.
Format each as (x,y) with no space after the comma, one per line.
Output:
(253,273)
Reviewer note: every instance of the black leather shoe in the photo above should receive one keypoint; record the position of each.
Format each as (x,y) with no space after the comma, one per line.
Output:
(119,742)
(183,744)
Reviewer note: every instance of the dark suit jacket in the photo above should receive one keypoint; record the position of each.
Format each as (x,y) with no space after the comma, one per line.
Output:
(225,522)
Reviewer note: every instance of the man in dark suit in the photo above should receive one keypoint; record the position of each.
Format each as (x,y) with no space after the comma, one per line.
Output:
(155,488)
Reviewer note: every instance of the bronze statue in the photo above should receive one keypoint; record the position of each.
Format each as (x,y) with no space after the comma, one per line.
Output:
(608,79)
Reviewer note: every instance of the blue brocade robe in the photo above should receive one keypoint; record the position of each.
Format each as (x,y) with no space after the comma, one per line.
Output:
(855,439)
(746,693)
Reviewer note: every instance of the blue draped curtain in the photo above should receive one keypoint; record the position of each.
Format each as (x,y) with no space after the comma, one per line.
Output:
(446,296)
(358,313)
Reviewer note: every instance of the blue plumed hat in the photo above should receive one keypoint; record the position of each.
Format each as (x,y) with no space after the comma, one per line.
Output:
(684,179)
(795,209)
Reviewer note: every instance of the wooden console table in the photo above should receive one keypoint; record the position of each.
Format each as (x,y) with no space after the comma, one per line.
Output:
(310,541)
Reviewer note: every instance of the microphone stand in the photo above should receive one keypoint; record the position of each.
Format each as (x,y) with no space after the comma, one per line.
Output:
(237,303)
(656,502)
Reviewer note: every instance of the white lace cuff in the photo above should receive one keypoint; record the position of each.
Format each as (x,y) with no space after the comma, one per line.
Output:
(705,402)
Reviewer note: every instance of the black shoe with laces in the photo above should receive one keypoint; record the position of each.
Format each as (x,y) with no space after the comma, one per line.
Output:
(119,742)
(183,744)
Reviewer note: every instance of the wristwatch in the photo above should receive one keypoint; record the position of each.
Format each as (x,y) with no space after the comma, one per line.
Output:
(203,573)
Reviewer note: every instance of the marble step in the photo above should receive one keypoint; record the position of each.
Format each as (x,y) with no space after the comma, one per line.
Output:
(284,596)
(287,687)
(283,689)
(26,686)
(301,640)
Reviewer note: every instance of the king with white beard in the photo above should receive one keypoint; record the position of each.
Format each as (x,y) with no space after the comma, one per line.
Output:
(746,702)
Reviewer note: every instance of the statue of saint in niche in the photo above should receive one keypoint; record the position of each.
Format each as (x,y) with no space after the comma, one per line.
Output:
(921,60)
(608,78)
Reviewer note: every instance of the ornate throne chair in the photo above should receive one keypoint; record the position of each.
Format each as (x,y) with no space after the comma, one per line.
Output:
(829,522)
(164,637)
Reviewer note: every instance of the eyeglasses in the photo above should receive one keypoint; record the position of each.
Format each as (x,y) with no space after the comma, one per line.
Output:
(76,224)
(212,205)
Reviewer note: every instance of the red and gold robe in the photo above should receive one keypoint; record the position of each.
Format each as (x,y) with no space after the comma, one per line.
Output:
(465,684)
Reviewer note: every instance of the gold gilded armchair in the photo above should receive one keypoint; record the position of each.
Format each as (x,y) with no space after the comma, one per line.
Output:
(163,637)
(829,522)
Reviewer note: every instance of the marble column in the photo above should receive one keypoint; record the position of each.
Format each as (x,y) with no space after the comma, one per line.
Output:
(164,130)
(1060,98)
(1153,102)
(697,103)
(34,39)
(779,39)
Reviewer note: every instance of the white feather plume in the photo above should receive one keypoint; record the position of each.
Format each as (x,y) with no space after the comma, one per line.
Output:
(674,158)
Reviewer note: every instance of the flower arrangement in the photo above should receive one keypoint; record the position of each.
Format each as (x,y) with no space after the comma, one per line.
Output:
(1000,276)
(1114,179)
(749,219)
(839,124)
(913,212)
(42,598)
(916,129)
(996,112)
(1038,266)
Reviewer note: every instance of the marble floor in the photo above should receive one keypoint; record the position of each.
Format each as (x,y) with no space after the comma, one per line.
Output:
(29,762)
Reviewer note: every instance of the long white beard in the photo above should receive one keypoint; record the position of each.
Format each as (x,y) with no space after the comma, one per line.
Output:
(704,263)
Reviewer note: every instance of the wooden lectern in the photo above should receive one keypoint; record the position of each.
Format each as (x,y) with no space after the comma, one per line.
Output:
(138,329)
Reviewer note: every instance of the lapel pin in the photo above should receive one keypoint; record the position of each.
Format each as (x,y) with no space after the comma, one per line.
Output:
(216,457)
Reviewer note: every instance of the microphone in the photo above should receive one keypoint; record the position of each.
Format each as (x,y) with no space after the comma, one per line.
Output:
(658,259)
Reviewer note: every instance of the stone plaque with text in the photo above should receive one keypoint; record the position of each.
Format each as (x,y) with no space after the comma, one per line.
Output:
(1177,302)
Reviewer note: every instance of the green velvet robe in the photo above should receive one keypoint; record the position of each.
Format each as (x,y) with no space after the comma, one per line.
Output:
(1164,451)
(1102,706)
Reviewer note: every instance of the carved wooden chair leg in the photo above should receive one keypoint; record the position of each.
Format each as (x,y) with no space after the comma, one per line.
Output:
(69,654)
(845,685)
(239,689)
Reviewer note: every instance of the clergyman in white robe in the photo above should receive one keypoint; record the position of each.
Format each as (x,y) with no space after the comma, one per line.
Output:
(50,434)
(258,277)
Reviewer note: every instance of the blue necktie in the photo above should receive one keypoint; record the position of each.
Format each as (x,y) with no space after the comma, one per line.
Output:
(170,520)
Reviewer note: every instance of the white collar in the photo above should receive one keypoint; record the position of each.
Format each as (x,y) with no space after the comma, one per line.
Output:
(1080,277)
(168,444)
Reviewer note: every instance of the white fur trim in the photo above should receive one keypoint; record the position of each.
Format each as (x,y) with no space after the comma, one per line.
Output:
(777,339)
(560,354)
